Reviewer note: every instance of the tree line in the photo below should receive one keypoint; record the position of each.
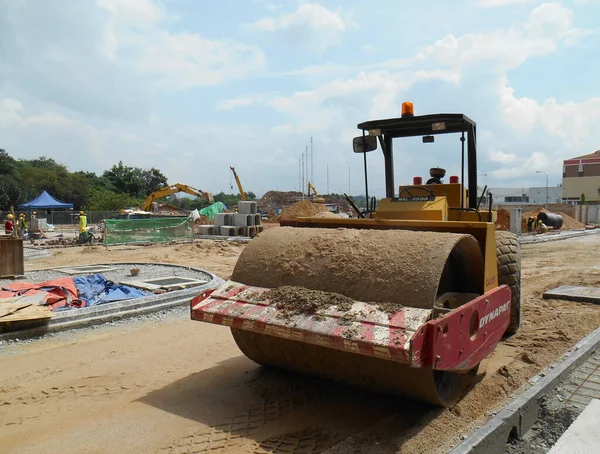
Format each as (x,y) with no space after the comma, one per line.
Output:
(121,186)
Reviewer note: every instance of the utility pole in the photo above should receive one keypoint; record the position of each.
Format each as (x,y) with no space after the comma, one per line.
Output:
(312,163)
(302,187)
(299,175)
(327,178)
(349,190)
(539,171)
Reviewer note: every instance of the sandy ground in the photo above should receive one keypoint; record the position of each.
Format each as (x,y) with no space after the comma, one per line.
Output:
(182,386)
(218,257)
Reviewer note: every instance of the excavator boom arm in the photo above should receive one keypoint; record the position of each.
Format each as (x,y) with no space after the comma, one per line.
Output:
(173,189)
(239,183)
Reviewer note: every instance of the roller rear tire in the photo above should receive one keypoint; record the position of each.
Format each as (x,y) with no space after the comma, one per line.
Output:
(508,257)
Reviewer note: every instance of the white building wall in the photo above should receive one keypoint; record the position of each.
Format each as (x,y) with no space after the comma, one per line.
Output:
(537,195)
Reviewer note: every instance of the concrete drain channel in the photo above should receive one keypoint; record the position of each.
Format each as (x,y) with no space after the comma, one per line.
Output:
(166,286)
(520,415)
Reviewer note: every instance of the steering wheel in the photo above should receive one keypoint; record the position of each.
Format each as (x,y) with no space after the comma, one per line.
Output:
(434,180)
(420,188)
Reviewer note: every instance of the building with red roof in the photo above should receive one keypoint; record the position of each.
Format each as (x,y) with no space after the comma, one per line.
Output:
(581,175)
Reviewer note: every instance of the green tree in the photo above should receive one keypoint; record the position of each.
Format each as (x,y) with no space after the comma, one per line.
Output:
(152,180)
(106,200)
(125,179)
(44,163)
(8,165)
(231,200)
(135,181)
(187,203)
(10,192)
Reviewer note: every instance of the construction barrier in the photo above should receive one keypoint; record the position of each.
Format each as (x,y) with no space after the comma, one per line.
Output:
(152,230)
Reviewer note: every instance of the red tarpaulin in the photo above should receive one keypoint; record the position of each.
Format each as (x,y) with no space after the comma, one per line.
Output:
(60,292)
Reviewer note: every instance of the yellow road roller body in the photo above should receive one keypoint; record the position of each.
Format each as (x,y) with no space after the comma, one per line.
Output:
(407,299)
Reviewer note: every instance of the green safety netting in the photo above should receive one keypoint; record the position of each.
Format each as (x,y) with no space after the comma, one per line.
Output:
(152,230)
(211,210)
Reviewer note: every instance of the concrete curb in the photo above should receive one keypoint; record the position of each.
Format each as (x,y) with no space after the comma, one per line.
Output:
(566,236)
(86,316)
(520,415)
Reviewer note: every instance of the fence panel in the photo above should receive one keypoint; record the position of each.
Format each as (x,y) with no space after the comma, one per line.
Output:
(153,230)
(68,217)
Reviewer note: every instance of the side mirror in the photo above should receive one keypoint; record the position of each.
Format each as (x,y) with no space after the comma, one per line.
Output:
(364,144)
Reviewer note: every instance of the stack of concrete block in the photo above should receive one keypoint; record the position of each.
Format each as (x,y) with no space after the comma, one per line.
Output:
(206,229)
(246,222)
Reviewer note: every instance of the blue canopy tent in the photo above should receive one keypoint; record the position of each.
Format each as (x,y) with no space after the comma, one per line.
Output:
(44,202)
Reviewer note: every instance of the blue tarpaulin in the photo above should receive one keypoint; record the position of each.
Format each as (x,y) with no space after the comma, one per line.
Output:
(96,289)
(44,201)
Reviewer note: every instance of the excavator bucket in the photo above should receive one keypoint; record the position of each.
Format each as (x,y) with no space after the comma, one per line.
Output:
(392,311)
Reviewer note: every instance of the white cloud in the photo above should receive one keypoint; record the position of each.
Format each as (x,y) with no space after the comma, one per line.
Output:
(501,157)
(573,122)
(499,50)
(311,23)
(61,137)
(377,90)
(139,11)
(181,61)
(498,3)
(313,15)
(10,112)
(243,101)
(526,167)
(176,60)
(367,48)
(505,48)
(269,5)
(105,72)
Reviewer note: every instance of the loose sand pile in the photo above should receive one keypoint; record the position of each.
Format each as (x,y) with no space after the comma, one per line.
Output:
(503,221)
(298,300)
(300,209)
(569,223)
(203,220)
(294,300)
(327,215)
(274,199)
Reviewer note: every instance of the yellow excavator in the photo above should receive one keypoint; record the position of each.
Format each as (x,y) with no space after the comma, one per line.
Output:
(173,189)
(408,300)
(239,184)
(315,197)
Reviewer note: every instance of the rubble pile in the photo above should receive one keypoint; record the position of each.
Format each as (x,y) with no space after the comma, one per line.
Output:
(299,209)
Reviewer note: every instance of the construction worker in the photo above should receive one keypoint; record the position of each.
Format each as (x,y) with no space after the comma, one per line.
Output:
(541,227)
(530,223)
(22,225)
(9,225)
(82,222)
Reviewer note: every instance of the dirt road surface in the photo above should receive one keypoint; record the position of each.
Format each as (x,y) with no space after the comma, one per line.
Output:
(176,386)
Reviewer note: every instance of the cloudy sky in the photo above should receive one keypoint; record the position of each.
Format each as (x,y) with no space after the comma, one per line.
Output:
(195,86)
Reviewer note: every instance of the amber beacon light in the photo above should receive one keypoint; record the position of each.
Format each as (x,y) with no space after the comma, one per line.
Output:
(408,109)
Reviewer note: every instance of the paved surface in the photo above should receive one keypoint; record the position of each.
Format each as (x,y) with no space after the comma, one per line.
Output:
(583,436)
(574,293)
(554,236)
